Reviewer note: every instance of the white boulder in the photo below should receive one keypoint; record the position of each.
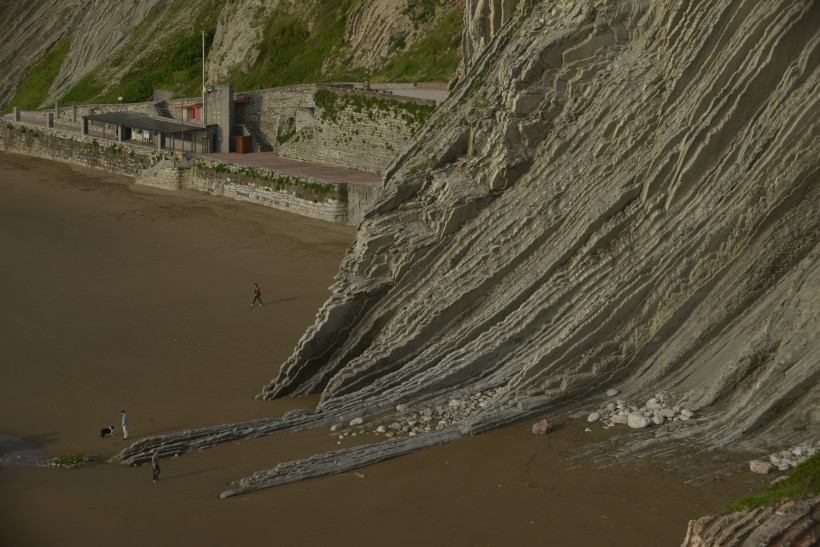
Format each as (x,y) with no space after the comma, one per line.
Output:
(636,420)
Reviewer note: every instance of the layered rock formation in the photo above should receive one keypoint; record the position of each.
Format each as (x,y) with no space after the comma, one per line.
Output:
(95,30)
(780,524)
(621,194)
(617,193)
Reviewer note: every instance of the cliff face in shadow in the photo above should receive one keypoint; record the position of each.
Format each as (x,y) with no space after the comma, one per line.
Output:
(618,193)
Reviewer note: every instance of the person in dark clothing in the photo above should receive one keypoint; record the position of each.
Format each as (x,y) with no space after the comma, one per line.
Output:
(257,295)
(155,464)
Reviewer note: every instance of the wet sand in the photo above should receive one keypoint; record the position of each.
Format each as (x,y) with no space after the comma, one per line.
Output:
(116,296)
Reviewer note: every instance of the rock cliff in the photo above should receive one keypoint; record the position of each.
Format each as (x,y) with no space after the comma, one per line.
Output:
(617,194)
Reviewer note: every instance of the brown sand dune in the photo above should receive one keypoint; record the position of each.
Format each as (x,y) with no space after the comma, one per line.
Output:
(115,296)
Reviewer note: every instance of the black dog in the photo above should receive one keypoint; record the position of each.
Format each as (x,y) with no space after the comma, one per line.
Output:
(106,431)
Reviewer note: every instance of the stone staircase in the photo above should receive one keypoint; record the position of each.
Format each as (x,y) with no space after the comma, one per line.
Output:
(260,143)
(162,110)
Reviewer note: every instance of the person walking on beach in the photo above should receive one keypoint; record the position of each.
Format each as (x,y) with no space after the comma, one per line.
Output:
(257,295)
(155,464)
(124,424)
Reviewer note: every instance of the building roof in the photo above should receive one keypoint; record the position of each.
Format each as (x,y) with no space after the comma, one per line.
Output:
(137,120)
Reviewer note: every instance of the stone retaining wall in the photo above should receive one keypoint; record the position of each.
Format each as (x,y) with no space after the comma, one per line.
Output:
(76,149)
(301,195)
(273,112)
(362,131)
(166,175)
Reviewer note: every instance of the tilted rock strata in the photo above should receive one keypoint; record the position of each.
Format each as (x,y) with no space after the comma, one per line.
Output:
(616,194)
(782,524)
(95,30)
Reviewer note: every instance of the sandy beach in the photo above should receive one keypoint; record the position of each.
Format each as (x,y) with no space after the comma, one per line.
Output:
(116,297)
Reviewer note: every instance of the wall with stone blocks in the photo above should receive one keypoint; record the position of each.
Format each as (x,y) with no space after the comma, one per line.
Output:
(268,110)
(165,175)
(362,140)
(300,195)
(359,199)
(365,140)
(76,149)
(331,207)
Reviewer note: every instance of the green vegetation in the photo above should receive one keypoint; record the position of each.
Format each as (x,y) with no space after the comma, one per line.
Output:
(34,89)
(164,52)
(70,459)
(292,54)
(287,131)
(173,63)
(285,137)
(420,11)
(89,87)
(804,480)
(333,104)
(434,58)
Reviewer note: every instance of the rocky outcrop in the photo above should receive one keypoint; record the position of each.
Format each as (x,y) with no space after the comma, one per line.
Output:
(784,523)
(379,29)
(617,194)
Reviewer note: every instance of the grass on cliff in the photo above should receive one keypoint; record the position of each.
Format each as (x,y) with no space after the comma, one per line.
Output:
(804,480)
(169,43)
(292,53)
(34,89)
(434,58)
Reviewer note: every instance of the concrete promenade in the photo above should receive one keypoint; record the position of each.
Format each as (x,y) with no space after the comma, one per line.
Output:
(270,160)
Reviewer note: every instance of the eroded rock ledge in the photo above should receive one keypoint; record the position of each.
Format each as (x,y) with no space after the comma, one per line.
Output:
(792,522)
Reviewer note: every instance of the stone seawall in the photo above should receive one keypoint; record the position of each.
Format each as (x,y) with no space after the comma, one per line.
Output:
(301,195)
(166,175)
(76,149)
